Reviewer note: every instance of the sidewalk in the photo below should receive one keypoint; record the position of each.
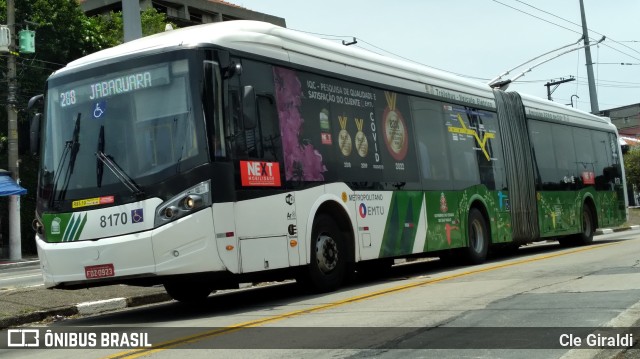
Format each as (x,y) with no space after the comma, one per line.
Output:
(34,304)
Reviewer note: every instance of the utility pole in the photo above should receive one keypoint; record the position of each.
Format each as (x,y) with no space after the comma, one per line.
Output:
(593,96)
(15,240)
(131,20)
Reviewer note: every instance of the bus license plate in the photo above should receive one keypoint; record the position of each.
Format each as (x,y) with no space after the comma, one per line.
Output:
(99,271)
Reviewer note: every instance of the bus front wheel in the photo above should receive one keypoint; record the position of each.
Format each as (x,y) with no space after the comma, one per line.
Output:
(478,235)
(327,267)
(188,291)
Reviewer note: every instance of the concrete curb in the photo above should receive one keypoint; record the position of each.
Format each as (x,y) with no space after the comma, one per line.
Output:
(617,229)
(86,308)
(23,263)
(604,231)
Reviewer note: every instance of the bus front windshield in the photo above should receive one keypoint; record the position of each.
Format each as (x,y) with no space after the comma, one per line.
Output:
(138,121)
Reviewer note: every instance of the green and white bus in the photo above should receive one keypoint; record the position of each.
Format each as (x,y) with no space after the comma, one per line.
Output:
(240,151)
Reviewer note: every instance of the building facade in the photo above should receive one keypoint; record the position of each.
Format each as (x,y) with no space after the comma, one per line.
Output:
(186,12)
(626,119)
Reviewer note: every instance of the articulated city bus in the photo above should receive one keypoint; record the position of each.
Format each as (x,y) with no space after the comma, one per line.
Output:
(241,151)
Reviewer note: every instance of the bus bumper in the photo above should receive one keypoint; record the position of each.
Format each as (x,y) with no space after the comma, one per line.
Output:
(184,246)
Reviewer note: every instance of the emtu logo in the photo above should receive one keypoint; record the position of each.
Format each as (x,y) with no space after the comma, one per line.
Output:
(363,210)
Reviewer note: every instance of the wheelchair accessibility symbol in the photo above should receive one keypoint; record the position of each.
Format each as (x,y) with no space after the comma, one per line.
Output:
(99,109)
(137,215)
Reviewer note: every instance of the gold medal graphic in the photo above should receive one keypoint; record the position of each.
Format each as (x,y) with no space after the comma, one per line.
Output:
(395,129)
(344,138)
(362,146)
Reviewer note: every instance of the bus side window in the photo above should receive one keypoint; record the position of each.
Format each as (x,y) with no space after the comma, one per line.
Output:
(269,128)
(262,141)
(236,139)
(604,169)
(566,160)
(585,159)
(433,153)
(544,153)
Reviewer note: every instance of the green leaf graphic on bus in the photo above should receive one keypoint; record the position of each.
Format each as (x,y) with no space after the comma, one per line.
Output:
(64,227)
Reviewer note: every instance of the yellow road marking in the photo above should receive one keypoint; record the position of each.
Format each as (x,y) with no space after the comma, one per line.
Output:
(136,353)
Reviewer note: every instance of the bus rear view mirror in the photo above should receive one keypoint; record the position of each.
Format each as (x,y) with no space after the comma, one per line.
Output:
(34,134)
(32,101)
(34,129)
(624,149)
(249,108)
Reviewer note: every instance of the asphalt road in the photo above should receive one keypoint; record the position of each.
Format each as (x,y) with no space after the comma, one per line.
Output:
(511,307)
(21,277)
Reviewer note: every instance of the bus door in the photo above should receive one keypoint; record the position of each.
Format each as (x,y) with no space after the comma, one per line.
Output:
(266,223)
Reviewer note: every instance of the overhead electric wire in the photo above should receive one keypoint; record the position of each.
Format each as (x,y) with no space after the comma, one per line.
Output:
(537,17)
(342,37)
(579,25)
(566,28)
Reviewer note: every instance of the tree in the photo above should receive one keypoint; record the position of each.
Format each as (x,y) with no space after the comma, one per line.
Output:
(63,33)
(632,167)
(112,26)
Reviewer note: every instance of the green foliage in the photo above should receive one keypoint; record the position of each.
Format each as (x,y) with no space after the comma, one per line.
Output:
(63,33)
(632,166)
(111,28)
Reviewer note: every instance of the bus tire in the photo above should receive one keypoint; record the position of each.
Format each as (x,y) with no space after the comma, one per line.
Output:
(588,226)
(327,268)
(478,235)
(188,291)
(588,229)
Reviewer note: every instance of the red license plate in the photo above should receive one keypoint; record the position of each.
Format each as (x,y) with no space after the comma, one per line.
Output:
(99,271)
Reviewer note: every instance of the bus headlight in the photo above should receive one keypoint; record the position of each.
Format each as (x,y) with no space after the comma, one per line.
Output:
(171,212)
(192,201)
(184,203)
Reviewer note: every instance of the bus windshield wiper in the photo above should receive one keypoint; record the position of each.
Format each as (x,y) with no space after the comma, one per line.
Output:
(72,147)
(104,159)
(99,163)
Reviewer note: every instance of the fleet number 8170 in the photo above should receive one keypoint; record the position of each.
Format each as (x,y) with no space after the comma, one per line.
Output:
(115,219)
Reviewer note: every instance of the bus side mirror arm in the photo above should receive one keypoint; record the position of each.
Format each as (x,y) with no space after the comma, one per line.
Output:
(249,108)
(232,70)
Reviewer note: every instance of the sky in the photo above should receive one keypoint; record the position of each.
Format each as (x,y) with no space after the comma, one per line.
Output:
(481,39)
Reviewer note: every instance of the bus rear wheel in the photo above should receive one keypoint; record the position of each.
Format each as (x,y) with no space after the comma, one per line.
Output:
(327,268)
(588,229)
(478,235)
